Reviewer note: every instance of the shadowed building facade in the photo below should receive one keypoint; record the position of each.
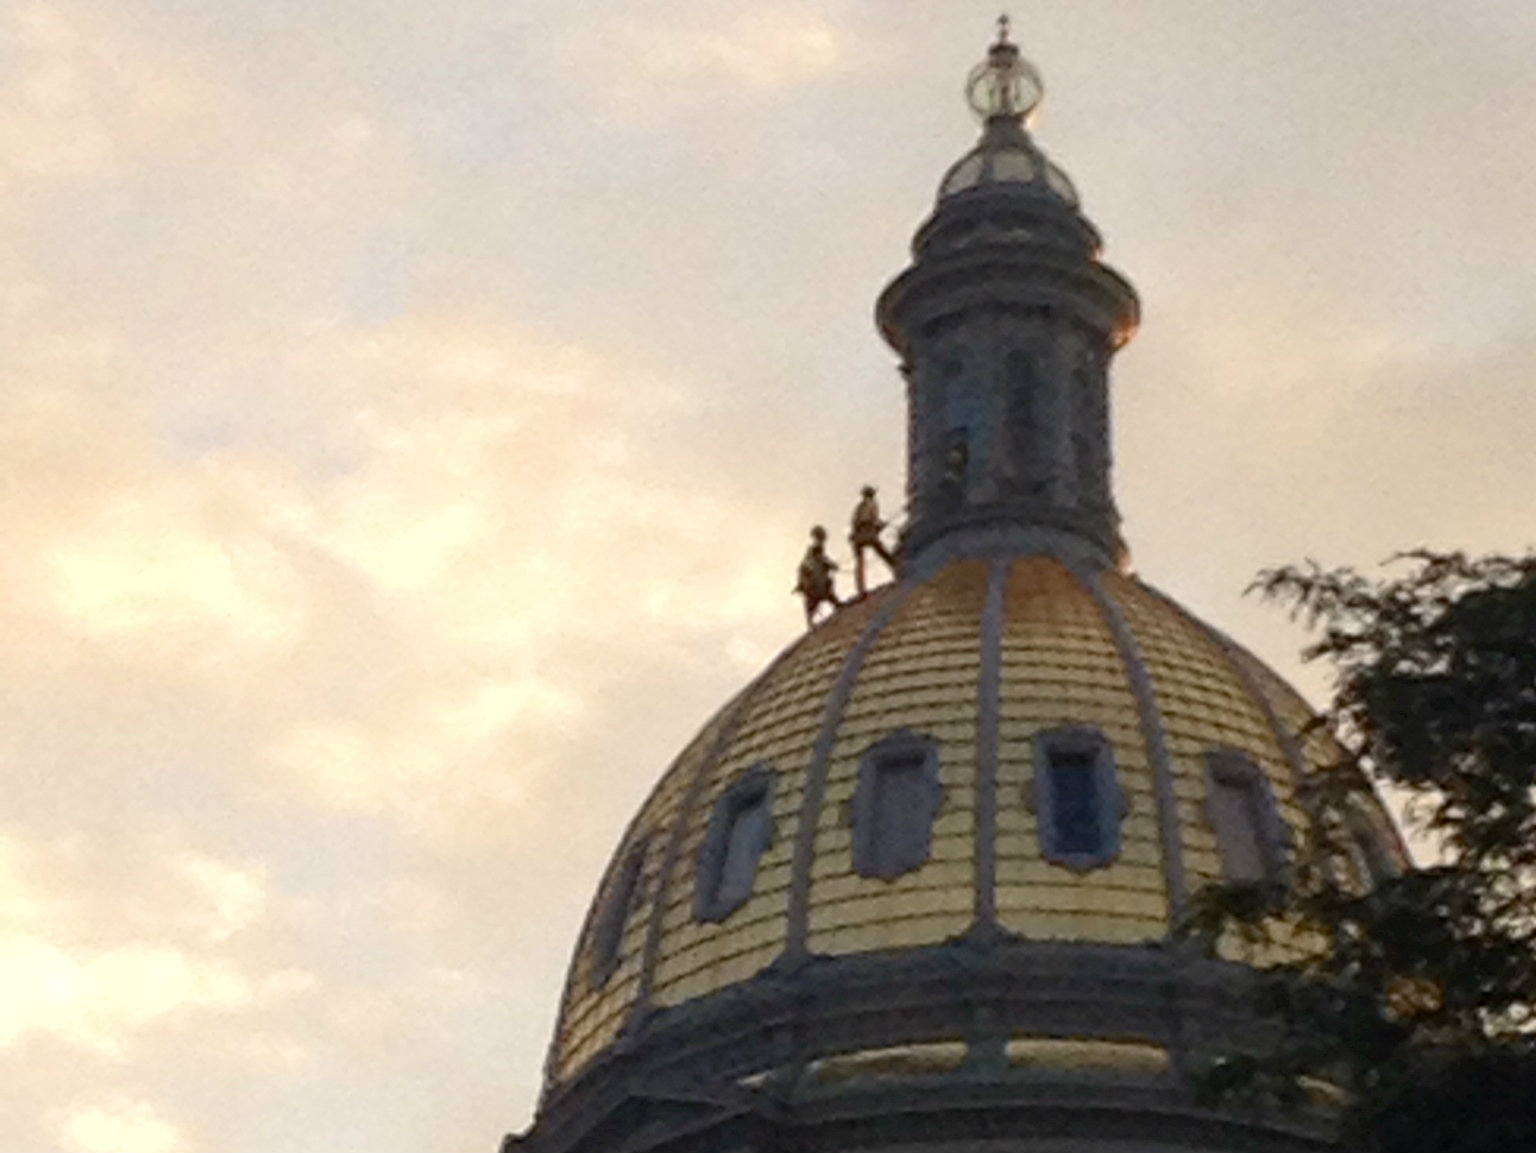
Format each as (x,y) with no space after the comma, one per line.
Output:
(915,886)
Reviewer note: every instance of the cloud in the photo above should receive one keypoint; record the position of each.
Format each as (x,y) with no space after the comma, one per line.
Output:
(118,1125)
(408,427)
(493,478)
(644,65)
(238,896)
(75,968)
(768,47)
(147,566)
(98,1000)
(431,766)
(84,96)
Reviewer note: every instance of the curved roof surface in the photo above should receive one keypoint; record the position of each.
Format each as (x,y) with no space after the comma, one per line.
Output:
(979,659)
(1006,157)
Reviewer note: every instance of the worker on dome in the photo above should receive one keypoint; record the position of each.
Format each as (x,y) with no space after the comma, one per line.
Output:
(814,581)
(864,532)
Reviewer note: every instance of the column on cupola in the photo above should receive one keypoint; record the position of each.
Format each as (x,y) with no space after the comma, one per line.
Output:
(1008,411)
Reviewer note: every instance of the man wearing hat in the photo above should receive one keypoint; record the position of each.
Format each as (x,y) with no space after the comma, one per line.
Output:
(863,533)
(814,579)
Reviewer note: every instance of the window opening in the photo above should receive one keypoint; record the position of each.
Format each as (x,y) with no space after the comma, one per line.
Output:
(1250,836)
(1075,802)
(1371,840)
(967,423)
(1077,798)
(1026,423)
(894,806)
(957,462)
(740,831)
(608,934)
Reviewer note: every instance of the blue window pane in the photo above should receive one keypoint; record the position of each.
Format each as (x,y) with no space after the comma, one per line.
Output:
(750,833)
(608,936)
(740,830)
(894,807)
(1075,804)
(903,816)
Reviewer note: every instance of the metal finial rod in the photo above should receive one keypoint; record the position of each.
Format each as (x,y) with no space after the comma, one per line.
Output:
(1004,85)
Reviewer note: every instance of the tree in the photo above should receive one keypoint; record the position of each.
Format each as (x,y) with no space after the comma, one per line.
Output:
(1420,996)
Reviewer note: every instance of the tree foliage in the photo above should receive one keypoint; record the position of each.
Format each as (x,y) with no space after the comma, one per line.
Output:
(1419,996)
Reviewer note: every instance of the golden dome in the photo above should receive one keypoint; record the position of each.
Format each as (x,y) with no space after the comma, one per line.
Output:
(920,883)
(978,661)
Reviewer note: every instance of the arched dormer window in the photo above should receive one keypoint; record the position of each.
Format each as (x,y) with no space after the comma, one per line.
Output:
(1077,798)
(1252,838)
(740,831)
(613,919)
(894,805)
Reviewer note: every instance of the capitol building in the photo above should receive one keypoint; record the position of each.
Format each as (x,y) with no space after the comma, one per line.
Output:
(917,885)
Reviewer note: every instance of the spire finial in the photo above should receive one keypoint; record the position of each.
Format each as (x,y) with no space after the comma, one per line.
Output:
(1004,85)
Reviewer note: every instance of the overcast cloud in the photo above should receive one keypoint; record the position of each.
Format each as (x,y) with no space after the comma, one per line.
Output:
(410,415)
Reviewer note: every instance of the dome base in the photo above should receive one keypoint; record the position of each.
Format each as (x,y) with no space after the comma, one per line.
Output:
(972,1044)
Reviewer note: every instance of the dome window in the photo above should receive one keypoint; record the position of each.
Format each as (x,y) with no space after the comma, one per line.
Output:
(1252,837)
(894,805)
(740,831)
(1078,800)
(608,933)
(1370,836)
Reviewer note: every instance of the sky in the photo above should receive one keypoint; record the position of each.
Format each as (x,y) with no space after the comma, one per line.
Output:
(411,415)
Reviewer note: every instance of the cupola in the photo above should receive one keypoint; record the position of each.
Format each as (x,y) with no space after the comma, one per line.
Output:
(1006,322)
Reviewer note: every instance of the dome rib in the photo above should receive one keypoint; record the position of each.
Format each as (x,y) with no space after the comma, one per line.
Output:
(576,1037)
(707,767)
(777,727)
(919,680)
(1264,687)
(1229,651)
(1154,735)
(989,705)
(812,799)
(574,1011)
(1210,711)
